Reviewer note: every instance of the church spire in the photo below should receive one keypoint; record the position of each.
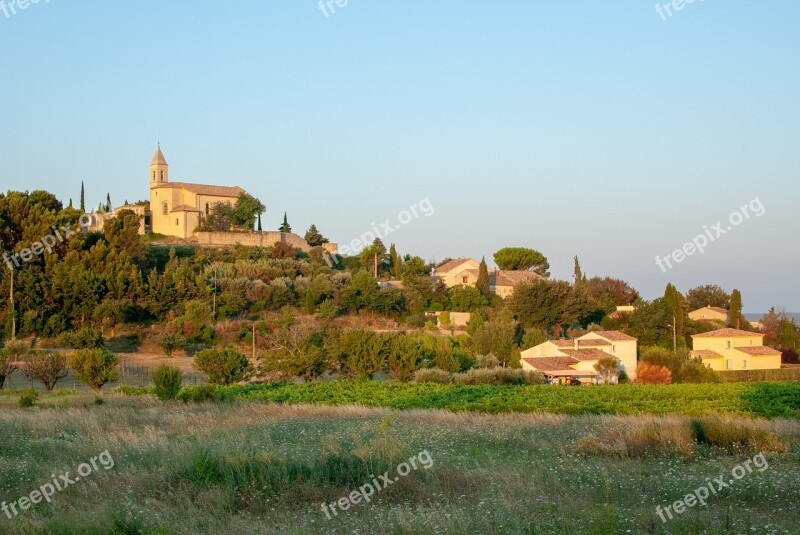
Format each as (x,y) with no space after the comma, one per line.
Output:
(159,169)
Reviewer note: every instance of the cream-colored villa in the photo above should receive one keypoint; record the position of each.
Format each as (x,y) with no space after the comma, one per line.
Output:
(564,360)
(709,313)
(464,272)
(177,207)
(732,349)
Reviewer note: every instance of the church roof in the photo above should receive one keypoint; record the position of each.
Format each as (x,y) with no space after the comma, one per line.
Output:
(184,208)
(203,189)
(158,158)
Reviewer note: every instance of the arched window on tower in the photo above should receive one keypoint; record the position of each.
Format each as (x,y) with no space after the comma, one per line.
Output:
(162,175)
(164,208)
(154,175)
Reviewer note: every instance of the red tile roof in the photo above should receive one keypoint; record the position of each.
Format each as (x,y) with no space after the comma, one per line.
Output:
(706,354)
(617,336)
(586,354)
(545,364)
(203,189)
(452,264)
(758,351)
(512,278)
(727,333)
(184,208)
(593,342)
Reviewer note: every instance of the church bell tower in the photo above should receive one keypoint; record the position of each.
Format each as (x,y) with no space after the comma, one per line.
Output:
(159,169)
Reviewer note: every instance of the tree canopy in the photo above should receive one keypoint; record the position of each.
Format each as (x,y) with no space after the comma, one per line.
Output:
(522,259)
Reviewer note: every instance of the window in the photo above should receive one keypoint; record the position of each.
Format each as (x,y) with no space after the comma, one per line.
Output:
(613,349)
(162,176)
(176,222)
(207,211)
(464,279)
(164,208)
(154,175)
(728,345)
(744,364)
(728,364)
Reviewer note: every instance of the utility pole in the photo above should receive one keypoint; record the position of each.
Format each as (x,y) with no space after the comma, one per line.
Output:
(214,306)
(674,333)
(13,312)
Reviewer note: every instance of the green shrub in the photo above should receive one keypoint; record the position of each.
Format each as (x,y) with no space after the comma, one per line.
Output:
(499,376)
(223,366)
(198,394)
(95,367)
(433,375)
(171,342)
(86,338)
(486,361)
(167,380)
(28,397)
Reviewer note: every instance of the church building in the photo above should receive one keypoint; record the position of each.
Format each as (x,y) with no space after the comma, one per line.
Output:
(176,208)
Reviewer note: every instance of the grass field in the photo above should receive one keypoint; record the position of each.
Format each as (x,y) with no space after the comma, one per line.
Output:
(757,399)
(254,467)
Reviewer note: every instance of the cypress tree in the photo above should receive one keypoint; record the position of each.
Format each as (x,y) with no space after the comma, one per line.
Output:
(735,316)
(580,278)
(483,278)
(285,227)
(83,198)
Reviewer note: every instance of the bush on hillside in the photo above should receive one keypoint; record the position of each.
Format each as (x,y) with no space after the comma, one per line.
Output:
(95,367)
(167,380)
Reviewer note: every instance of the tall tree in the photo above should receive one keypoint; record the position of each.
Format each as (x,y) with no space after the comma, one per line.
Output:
(577,274)
(371,258)
(246,210)
(483,279)
(677,307)
(83,198)
(108,202)
(522,259)
(285,227)
(259,223)
(709,295)
(396,262)
(735,316)
(314,238)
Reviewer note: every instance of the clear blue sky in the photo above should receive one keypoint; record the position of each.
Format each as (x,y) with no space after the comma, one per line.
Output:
(589,128)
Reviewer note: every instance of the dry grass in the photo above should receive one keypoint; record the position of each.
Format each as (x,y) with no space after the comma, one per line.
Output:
(221,468)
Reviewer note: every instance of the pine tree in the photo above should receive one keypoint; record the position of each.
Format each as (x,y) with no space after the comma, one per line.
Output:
(285,227)
(735,316)
(483,278)
(83,198)
(314,238)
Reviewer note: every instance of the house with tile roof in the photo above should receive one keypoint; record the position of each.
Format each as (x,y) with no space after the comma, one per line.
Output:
(734,349)
(564,360)
(464,272)
(709,313)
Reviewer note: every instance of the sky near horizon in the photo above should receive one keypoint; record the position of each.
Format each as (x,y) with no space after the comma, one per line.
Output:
(600,129)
